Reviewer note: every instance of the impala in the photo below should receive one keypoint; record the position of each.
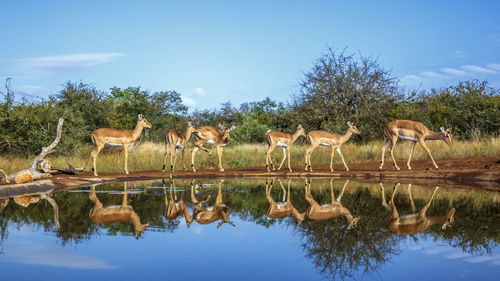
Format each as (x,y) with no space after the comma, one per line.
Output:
(417,221)
(323,138)
(176,141)
(114,137)
(414,132)
(175,207)
(220,137)
(285,140)
(209,214)
(113,214)
(284,208)
(332,210)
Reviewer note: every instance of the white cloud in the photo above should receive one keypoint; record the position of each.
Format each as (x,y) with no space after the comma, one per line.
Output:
(38,254)
(432,74)
(30,90)
(412,77)
(53,64)
(199,91)
(459,54)
(478,69)
(453,71)
(188,101)
(495,66)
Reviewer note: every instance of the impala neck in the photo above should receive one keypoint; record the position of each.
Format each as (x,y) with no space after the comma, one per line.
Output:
(136,133)
(345,137)
(436,219)
(295,135)
(188,133)
(434,135)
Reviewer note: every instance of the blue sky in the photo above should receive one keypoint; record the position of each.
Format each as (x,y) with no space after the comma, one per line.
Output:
(215,51)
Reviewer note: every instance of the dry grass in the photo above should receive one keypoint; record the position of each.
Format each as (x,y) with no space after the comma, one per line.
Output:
(149,156)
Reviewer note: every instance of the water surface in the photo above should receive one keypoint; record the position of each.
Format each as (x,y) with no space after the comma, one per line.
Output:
(251,229)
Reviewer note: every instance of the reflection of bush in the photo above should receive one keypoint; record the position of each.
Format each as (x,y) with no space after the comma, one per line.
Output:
(335,251)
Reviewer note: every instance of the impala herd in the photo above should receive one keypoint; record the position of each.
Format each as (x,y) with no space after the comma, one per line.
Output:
(413,131)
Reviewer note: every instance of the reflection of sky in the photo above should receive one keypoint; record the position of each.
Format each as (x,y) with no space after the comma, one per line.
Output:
(244,252)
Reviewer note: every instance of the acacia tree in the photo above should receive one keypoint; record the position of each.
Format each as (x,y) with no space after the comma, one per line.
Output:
(341,88)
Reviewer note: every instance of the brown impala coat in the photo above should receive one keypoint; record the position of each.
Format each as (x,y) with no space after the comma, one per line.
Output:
(219,137)
(414,132)
(415,222)
(317,138)
(327,211)
(285,140)
(114,137)
(175,141)
(284,208)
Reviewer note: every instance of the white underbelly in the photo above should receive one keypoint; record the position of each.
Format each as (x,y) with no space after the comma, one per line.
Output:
(406,138)
(281,144)
(324,144)
(113,144)
(280,205)
(178,145)
(210,142)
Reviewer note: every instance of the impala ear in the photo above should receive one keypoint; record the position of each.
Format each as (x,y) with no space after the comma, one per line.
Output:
(139,117)
(189,124)
(220,126)
(232,128)
(349,124)
(299,126)
(442,129)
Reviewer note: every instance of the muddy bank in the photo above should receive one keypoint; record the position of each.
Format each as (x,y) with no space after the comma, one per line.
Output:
(474,172)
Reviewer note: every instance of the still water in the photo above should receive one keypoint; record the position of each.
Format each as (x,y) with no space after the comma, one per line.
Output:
(251,230)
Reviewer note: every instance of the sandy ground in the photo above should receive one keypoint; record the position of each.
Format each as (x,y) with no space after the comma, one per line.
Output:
(472,173)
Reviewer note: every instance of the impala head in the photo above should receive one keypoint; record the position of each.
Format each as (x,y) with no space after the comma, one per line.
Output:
(139,229)
(352,223)
(142,121)
(353,128)
(450,219)
(448,137)
(300,129)
(226,132)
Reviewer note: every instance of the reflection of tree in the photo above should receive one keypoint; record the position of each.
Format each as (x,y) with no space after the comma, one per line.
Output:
(338,251)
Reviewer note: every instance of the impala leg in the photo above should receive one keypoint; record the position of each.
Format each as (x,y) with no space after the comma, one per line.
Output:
(289,166)
(391,152)
(165,158)
(386,145)
(331,159)
(332,194)
(413,143)
(193,198)
(384,203)
(125,151)
(306,155)
(219,154)
(411,199)
(269,161)
(172,168)
(93,157)
(394,212)
(422,143)
(424,209)
(342,192)
(284,190)
(198,144)
(308,195)
(192,158)
(342,157)
(284,157)
(183,159)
